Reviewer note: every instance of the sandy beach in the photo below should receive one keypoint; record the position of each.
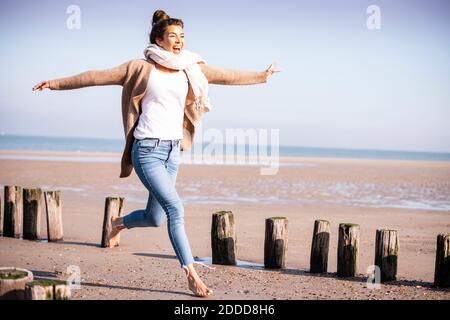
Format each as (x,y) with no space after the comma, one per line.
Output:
(412,197)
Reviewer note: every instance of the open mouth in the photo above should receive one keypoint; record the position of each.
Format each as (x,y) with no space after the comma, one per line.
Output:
(176,50)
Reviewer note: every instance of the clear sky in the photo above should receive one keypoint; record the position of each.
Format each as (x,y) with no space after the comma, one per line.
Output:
(342,85)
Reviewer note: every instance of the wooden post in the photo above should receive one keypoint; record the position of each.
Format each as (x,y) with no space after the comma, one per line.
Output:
(386,254)
(276,243)
(1,217)
(32,203)
(62,291)
(113,208)
(319,247)
(47,290)
(442,269)
(348,250)
(54,216)
(223,238)
(12,283)
(12,223)
(37,290)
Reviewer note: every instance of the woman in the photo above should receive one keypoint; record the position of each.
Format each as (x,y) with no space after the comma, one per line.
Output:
(163,99)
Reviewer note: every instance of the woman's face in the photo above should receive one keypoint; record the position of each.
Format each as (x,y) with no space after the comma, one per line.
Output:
(173,39)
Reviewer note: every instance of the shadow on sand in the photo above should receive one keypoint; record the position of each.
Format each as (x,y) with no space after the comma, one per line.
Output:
(43,275)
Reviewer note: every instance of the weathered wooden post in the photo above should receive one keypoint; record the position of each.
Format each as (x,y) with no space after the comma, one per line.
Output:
(1,217)
(12,223)
(386,254)
(54,216)
(113,208)
(223,238)
(348,250)
(47,290)
(12,283)
(276,243)
(320,246)
(442,269)
(32,204)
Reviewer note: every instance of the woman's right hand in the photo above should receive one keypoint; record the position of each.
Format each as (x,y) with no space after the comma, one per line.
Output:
(42,85)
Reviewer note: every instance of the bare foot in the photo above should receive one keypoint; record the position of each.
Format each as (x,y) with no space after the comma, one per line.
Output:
(196,285)
(116,227)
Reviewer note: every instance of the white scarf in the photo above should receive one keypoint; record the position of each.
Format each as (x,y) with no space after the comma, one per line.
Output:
(188,62)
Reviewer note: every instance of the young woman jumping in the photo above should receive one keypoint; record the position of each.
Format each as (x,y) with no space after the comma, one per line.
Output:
(163,99)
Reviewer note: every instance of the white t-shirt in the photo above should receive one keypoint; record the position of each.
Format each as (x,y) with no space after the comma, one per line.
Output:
(163,106)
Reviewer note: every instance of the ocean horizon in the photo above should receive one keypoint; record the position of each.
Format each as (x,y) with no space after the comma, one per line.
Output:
(74,144)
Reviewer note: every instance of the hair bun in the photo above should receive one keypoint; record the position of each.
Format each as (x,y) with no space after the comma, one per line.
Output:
(159,16)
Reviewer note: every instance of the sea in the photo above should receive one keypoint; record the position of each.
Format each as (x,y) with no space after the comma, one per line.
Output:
(38,143)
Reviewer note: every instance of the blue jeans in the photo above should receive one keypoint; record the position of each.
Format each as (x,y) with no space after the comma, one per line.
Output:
(156,163)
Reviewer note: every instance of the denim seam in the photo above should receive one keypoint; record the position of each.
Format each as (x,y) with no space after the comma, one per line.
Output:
(151,207)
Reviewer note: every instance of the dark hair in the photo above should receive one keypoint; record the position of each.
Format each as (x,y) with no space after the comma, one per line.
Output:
(160,23)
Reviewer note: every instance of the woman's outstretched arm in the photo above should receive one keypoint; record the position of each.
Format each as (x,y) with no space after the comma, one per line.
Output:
(114,76)
(236,77)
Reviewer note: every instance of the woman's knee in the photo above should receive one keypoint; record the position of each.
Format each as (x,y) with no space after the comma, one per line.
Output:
(155,219)
(176,213)
(158,222)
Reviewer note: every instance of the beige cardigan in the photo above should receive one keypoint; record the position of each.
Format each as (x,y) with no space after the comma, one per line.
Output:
(133,77)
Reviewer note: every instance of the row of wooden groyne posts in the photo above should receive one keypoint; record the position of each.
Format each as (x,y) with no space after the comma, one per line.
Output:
(223,242)
(23,209)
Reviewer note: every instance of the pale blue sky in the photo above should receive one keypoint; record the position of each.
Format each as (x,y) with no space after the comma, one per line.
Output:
(342,85)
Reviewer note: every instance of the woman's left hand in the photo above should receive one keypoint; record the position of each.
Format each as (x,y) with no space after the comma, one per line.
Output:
(271,70)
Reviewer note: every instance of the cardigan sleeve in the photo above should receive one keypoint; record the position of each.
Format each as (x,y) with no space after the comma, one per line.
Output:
(232,77)
(113,76)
